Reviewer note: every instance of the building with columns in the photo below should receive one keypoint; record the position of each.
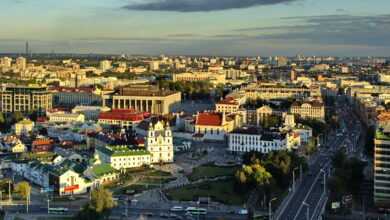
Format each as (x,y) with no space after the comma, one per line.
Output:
(144,98)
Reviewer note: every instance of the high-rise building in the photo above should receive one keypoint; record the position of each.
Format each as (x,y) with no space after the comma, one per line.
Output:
(382,161)
(105,65)
(27,49)
(154,65)
(26,98)
(6,61)
(21,63)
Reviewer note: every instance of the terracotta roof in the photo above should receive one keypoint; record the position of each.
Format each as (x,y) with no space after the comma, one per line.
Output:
(42,119)
(209,119)
(43,142)
(228,101)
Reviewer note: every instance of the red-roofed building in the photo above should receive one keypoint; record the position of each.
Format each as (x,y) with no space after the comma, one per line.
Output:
(214,126)
(122,117)
(42,146)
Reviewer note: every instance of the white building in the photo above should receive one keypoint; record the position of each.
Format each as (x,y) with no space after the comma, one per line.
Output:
(154,65)
(248,139)
(159,142)
(122,157)
(21,63)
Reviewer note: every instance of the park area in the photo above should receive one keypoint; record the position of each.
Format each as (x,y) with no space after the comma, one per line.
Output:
(221,191)
(210,171)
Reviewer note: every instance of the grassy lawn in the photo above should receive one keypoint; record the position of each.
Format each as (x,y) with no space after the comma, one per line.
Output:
(139,169)
(122,179)
(66,199)
(221,191)
(137,189)
(159,173)
(157,181)
(211,171)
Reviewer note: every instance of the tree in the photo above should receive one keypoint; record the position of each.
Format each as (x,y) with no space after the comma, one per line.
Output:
(101,201)
(22,190)
(260,175)
(33,114)
(2,118)
(16,116)
(42,131)
(338,159)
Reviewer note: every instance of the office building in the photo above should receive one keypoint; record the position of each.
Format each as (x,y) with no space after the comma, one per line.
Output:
(26,98)
(105,65)
(304,109)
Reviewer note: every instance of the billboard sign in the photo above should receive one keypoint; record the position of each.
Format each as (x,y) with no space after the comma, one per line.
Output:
(71,188)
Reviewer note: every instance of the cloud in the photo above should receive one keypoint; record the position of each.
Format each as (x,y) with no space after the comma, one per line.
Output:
(200,5)
(330,29)
(184,35)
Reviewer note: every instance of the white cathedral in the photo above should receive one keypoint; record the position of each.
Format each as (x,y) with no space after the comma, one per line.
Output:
(159,142)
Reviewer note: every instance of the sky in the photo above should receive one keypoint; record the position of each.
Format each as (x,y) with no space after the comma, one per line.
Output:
(197,27)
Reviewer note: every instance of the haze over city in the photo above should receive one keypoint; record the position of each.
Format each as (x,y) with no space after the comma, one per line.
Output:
(182,27)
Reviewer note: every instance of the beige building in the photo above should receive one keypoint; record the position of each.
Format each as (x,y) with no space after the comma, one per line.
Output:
(257,116)
(200,76)
(144,98)
(24,127)
(313,109)
(26,98)
(67,117)
(228,105)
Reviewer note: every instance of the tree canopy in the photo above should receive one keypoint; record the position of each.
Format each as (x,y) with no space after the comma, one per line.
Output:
(22,190)
(99,207)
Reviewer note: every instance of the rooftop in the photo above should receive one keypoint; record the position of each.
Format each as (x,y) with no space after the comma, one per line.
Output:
(124,150)
(101,170)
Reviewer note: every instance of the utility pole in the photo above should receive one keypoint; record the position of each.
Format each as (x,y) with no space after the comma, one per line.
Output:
(294,178)
(270,209)
(9,192)
(307,210)
(324,179)
(300,173)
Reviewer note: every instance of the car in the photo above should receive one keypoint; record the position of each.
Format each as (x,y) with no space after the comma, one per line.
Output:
(172,215)
(163,215)
(243,212)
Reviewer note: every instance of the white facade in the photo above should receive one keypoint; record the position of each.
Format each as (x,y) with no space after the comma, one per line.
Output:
(253,141)
(159,142)
(24,127)
(67,117)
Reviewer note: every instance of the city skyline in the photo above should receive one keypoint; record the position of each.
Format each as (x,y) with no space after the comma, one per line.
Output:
(264,27)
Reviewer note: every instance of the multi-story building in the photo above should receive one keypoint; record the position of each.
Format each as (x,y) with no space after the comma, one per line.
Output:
(6,61)
(144,98)
(90,112)
(24,127)
(26,98)
(154,65)
(122,157)
(248,139)
(313,109)
(105,65)
(67,117)
(21,63)
(382,167)
(228,105)
(122,117)
(75,96)
(275,93)
(200,76)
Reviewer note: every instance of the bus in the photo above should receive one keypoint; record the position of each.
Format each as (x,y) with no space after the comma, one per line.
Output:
(196,211)
(58,210)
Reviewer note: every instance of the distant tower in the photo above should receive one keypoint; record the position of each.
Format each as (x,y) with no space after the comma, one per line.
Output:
(26,49)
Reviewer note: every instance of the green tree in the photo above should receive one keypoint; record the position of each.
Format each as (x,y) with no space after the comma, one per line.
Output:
(2,121)
(33,114)
(260,175)
(338,159)
(16,116)
(101,201)
(22,190)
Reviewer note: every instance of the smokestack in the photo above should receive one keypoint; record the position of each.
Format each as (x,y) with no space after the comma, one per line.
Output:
(26,48)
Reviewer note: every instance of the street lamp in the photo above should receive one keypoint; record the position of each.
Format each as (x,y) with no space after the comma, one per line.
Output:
(269,208)
(307,211)
(324,179)
(294,178)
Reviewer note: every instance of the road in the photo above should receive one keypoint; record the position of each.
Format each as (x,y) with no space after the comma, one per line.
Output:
(311,190)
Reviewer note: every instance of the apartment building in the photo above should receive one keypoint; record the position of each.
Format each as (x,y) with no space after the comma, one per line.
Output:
(75,96)
(200,76)
(382,167)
